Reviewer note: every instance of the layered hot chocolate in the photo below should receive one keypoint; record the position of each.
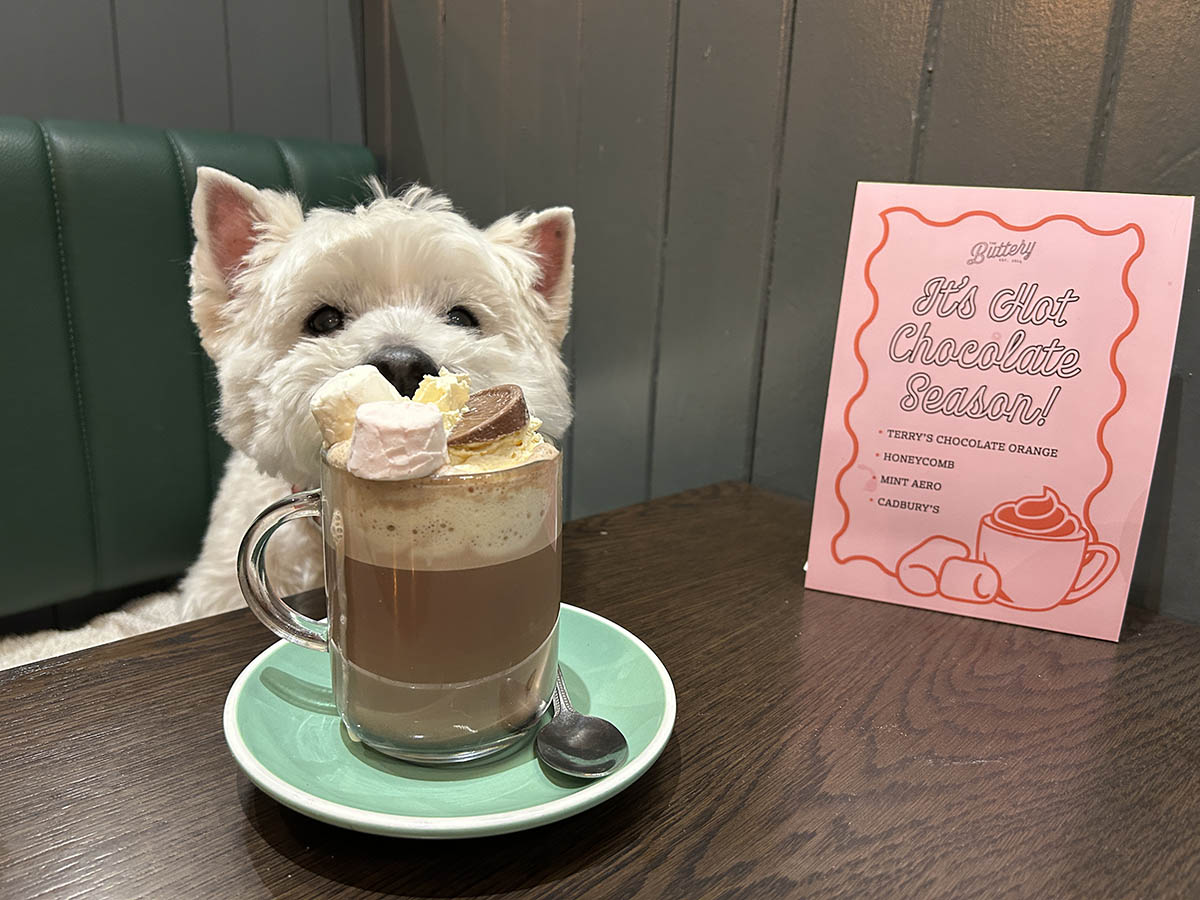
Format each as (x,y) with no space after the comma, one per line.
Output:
(443,586)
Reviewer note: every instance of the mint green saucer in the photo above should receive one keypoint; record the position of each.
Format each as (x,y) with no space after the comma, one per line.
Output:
(284,732)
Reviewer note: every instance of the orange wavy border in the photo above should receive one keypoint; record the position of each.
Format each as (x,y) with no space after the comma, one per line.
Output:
(1112,356)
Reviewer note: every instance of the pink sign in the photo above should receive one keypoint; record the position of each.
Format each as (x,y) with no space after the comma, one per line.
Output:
(995,400)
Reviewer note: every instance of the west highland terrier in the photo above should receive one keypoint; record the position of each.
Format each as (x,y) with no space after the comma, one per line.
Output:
(284,300)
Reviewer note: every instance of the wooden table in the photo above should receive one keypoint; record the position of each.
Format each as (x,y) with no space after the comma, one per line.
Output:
(825,746)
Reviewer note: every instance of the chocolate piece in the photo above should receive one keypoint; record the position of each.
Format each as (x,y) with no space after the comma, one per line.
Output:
(490,413)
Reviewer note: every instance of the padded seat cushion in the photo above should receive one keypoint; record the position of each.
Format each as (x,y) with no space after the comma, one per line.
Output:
(110,457)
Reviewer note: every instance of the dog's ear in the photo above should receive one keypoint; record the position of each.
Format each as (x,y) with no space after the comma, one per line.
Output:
(236,224)
(550,236)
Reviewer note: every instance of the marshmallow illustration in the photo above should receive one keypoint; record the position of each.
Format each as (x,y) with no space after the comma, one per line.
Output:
(396,439)
(335,402)
(971,580)
(942,565)
(920,569)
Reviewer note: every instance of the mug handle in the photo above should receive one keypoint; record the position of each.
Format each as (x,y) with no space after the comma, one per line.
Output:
(1101,575)
(252,572)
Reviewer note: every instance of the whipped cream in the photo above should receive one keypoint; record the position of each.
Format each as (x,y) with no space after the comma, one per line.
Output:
(375,434)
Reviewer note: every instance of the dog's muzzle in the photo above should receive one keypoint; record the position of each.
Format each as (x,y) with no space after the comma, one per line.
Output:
(403,366)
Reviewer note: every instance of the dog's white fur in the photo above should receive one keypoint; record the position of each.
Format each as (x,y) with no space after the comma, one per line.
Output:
(394,267)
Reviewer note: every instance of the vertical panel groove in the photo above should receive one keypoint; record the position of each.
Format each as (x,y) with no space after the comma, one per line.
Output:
(823,159)
(206,402)
(116,51)
(569,438)
(925,94)
(787,29)
(656,328)
(362,71)
(345,61)
(328,77)
(578,96)
(64,276)
(441,62)
(228,60)
(186,87)
(505,90)
(386,27)
(1114,54)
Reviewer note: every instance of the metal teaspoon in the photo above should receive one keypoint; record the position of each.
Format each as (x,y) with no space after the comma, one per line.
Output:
(579,745)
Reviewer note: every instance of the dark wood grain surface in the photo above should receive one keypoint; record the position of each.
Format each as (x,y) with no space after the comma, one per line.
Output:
(824,747)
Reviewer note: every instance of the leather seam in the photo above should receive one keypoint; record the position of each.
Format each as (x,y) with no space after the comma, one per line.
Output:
(287,166)
(72,343)
(204,398)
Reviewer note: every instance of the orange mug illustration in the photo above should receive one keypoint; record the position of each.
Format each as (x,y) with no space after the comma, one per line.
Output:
(1043,553)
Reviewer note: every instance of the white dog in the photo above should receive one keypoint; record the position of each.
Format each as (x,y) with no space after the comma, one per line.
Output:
(284,300)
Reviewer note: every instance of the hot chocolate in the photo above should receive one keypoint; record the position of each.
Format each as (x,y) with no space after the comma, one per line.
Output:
(443,605)
(1042,552)
(441,520)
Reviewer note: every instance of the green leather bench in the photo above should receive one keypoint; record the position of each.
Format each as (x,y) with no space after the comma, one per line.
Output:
(109,454)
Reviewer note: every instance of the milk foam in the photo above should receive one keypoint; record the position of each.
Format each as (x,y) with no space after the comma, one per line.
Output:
(445,522)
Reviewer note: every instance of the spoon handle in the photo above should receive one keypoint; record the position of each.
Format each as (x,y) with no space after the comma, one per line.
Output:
(562,700)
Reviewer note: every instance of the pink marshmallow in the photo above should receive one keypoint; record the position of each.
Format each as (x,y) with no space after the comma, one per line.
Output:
(920,568)
(970,580)
(395,440)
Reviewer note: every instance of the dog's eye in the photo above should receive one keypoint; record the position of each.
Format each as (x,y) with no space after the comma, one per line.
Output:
(462,317)
(325,320)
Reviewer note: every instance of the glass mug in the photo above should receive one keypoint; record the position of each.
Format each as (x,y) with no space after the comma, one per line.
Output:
(443,604)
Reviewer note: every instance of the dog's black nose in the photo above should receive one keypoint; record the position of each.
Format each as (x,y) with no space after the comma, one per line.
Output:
(404,367)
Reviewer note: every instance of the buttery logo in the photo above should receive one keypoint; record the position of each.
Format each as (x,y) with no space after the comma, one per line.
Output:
(1005,251)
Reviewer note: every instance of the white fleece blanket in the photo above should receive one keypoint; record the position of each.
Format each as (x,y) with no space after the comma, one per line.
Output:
(138,616)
